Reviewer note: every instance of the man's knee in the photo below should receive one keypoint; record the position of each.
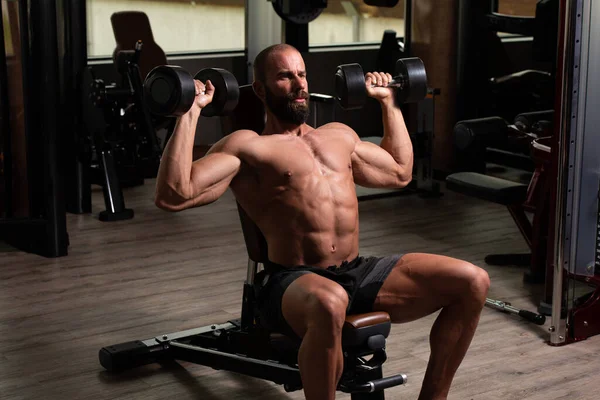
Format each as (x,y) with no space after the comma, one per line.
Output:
(477,281)
(311,302)
(326,308)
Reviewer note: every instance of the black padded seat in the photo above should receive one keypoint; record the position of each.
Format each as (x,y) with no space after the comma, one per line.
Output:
(487,187)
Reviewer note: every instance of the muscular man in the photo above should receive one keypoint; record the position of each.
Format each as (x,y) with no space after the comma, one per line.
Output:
(297,183)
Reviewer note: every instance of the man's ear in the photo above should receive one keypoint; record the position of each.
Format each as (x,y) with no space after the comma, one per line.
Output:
(259,89)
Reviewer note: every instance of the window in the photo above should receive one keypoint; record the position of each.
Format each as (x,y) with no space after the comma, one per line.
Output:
(521,8)
(515,8)
(344,22)
(178,26)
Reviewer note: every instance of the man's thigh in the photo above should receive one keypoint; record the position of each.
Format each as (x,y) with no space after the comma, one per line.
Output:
(283,301)
(420,284)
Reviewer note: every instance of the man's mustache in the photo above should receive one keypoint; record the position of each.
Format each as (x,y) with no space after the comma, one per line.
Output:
(299,95)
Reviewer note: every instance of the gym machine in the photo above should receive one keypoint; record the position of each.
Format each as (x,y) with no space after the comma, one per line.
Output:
(529,139)
(492,140)
(570,162)
(127,151)
(297,14)
(488,83)
(575,254)
(485,148)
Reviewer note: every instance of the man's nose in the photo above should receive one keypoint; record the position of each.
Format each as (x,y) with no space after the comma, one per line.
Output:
(300,83)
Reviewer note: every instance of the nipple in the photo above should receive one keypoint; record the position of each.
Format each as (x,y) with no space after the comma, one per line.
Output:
(288,174)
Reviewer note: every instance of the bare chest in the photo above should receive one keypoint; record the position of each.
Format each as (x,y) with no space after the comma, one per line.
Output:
(291,162)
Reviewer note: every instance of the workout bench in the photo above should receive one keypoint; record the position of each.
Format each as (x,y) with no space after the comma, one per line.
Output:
(243,345)
(519,198)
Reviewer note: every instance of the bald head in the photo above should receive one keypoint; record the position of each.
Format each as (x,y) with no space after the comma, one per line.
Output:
(280,83)
(261,62)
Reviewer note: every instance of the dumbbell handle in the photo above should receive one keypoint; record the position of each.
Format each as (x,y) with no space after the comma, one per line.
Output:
(396,82)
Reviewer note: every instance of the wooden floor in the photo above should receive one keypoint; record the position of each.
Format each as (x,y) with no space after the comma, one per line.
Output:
(164,272)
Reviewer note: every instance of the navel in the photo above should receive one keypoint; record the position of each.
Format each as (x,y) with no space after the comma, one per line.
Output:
(288,174)
(333,248)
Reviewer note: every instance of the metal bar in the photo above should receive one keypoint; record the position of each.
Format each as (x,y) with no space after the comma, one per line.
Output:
(576,133)
(275,372)
(586,164)
(568,126)
(297,35)
(407,28)
(252,267)
(190,332)
(518,214)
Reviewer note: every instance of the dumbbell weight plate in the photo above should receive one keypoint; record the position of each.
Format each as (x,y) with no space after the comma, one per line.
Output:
(350,88)
(227,91)
(296,12)
(169,91)
(415,88)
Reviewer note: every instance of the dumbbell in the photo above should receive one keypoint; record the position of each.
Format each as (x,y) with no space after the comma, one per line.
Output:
(169,91)
(410,81)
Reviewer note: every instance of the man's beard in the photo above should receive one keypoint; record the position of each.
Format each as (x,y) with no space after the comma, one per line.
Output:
(284,107)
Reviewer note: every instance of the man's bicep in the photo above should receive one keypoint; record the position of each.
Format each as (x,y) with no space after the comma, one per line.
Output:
(212,174)
(374,167)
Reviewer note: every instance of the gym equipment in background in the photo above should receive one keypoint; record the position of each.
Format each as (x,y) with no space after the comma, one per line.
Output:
(127,150)
(473,137)
(574,258)
(491,82)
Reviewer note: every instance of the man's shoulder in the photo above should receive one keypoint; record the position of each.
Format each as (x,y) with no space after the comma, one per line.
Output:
(242,135)
(339,128)
(336,126)
(235,142)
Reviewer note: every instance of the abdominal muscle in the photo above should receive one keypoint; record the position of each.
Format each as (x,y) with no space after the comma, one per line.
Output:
(300,193)
(313,221)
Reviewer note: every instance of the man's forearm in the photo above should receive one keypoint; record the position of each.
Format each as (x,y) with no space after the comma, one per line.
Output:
(176,161)
(396,139)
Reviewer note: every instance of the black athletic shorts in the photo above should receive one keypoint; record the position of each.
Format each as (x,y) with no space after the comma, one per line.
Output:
(361,278)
